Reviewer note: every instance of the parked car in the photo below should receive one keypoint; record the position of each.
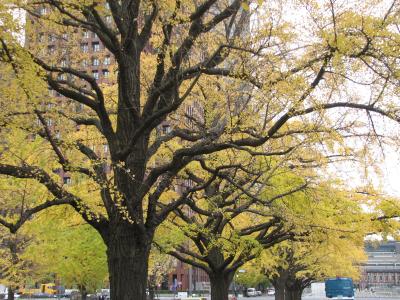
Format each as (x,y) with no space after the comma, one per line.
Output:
(259,293)
(251,292)
(271,292)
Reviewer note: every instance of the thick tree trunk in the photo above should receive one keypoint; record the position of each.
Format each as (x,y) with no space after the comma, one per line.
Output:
(294,288)
(294,294)
(279,284)
(127,254)
(280,292)
(220,286)
(83,292)
(84,295)
(10,293)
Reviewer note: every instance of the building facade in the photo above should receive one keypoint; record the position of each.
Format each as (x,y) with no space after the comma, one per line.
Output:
(382,268)
(184,277)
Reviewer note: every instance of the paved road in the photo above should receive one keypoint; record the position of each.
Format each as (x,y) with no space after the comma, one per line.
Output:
(308,297)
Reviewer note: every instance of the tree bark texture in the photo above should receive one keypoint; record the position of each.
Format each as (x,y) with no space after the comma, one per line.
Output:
(10,293)
(294,288)
(279,292)
(294,294)
(128,252)
(84,295)
(220,286)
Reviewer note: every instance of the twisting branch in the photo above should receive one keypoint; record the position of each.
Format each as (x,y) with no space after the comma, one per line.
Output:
(62,196)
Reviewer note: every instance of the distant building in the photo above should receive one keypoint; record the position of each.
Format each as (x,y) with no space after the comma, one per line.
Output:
(3,289)
(382,268)
(184,277)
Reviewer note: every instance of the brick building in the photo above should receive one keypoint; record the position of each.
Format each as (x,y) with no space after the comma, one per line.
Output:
(187,278)
(382,268)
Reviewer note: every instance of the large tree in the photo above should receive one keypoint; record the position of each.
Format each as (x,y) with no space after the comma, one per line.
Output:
(197,68)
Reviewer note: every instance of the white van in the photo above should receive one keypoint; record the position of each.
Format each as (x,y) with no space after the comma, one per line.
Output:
(251,292)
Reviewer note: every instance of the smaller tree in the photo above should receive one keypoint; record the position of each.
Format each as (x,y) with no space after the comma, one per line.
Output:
(15,267)
(251,276)
(159,266)
(75,253)
(335,224)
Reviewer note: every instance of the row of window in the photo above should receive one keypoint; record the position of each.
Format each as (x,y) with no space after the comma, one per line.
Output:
(381,277)
(95,47)
(44,11)
(96,73)
(51,38)
(95,62)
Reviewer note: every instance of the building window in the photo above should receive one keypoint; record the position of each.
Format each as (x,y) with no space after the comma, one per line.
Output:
(107,60)
(43,11)
(96,46)
(51,38)
(67,180)
(49,122)
(40,37)
(94,35)
(166,129)
(51,49)
(108,19)
(62,77)
(105,148)
(85,63)
(106,73)
(79,107)
(64,63)
(95,74)
(95,62)
(84,47)
(85,34)
(65,36)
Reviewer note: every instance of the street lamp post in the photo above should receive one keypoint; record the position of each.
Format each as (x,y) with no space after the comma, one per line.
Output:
(241,271)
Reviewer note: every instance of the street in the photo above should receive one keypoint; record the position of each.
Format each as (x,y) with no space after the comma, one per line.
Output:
(306,297)
(324,298)
(311,297)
